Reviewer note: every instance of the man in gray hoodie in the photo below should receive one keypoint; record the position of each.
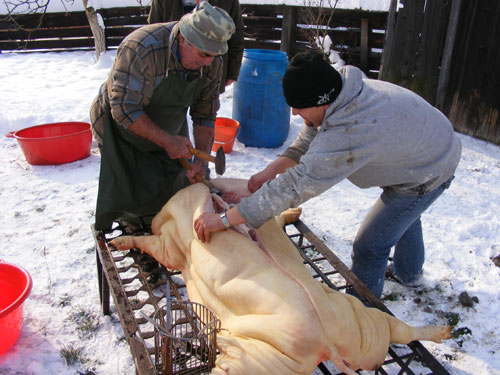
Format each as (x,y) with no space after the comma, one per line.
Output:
(371,132)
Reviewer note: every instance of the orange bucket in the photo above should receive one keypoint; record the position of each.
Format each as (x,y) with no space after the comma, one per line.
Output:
(224,134)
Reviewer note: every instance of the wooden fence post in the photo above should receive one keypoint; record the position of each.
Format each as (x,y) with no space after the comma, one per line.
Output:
(390,30)
(288,30)
(444,75)
(430,49)
(363,62)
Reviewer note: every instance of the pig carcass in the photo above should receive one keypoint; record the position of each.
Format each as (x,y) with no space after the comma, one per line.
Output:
(275,317)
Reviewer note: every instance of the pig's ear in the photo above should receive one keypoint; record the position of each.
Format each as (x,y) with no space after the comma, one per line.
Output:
(288,216)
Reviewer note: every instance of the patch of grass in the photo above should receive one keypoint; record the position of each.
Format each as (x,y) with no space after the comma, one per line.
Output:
(86,322)
(391,297)
(439,289)
(122,339)
(72,356)
(40,208)
(450,357)
(459,333)
(65,300)
(452,318)
(87,372)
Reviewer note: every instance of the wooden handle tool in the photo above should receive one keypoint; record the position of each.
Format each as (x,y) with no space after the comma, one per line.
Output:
(219,159)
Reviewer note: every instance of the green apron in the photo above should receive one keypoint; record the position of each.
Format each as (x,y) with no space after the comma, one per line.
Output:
(137,177)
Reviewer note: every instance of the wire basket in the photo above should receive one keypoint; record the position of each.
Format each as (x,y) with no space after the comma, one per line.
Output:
(187,344)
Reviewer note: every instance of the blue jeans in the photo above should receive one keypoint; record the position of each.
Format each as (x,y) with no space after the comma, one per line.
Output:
(394,220)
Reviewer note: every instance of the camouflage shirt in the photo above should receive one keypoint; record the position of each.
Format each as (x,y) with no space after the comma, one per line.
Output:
(139,67)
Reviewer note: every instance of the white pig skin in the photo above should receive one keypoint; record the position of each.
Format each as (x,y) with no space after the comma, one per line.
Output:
(275,317)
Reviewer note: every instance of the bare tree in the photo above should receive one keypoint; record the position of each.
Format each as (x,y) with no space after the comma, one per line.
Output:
(319,15)
(97,26)
(17,8)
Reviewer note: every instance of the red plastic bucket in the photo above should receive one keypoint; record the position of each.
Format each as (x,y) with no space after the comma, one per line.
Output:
(224,134)
(15,287)
(56,143)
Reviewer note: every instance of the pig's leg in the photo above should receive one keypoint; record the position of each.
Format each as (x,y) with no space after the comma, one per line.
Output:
(149,244)
(402,333)
(233,189)
(288,216)
(244,356)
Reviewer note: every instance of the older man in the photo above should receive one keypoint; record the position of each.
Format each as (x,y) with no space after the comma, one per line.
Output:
(173,10)
(371,132)
(139,116)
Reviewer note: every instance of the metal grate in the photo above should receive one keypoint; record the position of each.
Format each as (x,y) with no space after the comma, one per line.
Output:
(125,275)
(325,266)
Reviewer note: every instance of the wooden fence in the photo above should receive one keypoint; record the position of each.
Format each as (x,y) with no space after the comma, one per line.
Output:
(448,52)
(357,35)
(472,99)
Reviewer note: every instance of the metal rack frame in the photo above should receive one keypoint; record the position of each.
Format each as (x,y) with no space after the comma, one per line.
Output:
(123,275)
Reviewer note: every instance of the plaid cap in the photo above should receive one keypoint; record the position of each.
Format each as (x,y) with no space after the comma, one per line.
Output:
(207,28)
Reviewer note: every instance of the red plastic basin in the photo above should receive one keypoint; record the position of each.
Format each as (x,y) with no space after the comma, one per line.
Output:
(56,143)
(15,287)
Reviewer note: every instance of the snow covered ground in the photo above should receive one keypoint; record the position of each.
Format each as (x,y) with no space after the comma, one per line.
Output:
(48,210)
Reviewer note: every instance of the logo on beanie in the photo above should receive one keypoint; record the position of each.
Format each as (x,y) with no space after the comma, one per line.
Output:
(326,97)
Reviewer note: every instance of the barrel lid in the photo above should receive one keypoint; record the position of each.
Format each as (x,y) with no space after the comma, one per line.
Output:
(264,54)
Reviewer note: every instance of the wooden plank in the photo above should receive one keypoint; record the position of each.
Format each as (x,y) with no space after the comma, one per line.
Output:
(47,44)
(363,63)
(255,33)
(349,37)
(401,61)
(261,45)
(32,21)
(124,11)
(126,21)
(349,18)
(261,10)
(425,77)
(444,74)
(288,31)
(390,33)
(263,22)
(119,31)
(83,31)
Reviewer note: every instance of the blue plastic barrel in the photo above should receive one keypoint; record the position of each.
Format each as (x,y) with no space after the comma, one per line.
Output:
(258,102)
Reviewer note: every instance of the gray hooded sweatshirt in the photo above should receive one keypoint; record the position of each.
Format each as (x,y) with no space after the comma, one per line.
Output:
(374,134)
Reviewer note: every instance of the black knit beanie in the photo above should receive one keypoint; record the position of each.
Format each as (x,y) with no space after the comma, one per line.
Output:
(310,81)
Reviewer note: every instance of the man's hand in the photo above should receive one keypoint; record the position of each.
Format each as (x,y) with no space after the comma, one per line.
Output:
(258,179)
(177,146)
(207,223)
(278,166)
(174,145)
(199,168)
